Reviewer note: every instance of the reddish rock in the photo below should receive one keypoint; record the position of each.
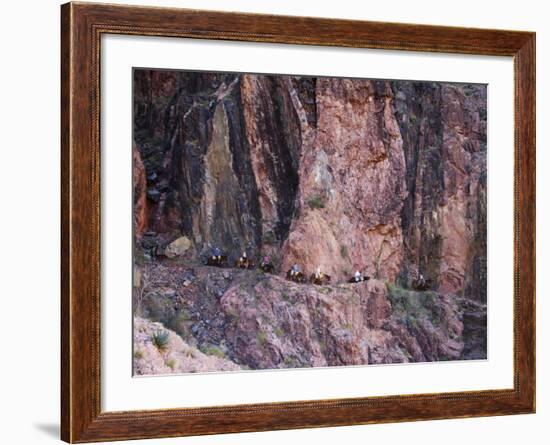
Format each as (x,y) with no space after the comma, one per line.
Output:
(264,321)
(385,177)
(351,184)
(444,216)
(464,169)
(140,190)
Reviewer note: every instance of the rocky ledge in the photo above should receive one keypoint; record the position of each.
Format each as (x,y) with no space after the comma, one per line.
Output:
(247,319)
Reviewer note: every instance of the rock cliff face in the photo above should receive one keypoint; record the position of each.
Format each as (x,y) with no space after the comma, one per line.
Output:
(352,184)
(386,177)
(260,321)
(444,217)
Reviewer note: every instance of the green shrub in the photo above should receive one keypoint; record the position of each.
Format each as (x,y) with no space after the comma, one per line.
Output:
(291,362)
(344,251)
(171,363)
(213,350)
(180,322)
(269,237)
(414,305)
(232,315)
(316,202)
(160,339)
(262,338)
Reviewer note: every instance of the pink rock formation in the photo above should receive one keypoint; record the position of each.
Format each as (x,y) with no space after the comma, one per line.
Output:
(351,184)
(176,357)
(463,167)
(444,216)
(263,321)
(273,324)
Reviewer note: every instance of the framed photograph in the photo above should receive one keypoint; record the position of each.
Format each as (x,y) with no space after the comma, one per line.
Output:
(274,222)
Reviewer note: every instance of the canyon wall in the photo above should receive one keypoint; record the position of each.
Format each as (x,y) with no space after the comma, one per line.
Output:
(352,184)
(444,217)
(386,177)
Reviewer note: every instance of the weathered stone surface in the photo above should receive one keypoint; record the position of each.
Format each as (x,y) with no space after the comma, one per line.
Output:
(175,357)
(274,132)
(385,177)
(139,192)
(200,160)
(351,184)
(444,217)
(178,247)
(264,321)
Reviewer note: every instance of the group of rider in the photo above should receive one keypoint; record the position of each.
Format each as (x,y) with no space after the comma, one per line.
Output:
(218,259)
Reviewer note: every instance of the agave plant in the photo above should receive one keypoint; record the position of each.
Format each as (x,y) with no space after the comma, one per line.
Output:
(160,340)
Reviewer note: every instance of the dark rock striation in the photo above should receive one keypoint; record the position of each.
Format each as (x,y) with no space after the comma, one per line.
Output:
(223,153)
(444,217)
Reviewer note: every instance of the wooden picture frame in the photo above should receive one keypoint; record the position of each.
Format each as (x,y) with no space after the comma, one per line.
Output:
(82,25)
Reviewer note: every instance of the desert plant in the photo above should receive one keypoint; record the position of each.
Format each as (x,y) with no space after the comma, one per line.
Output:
(232,315)
(269,237)
(414,305)
(161,339)
(138,354)
(180,322)
(316,202)
(144,287)
(171,363)
(291,362)
(344,251)
(213,350)
(262,338)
